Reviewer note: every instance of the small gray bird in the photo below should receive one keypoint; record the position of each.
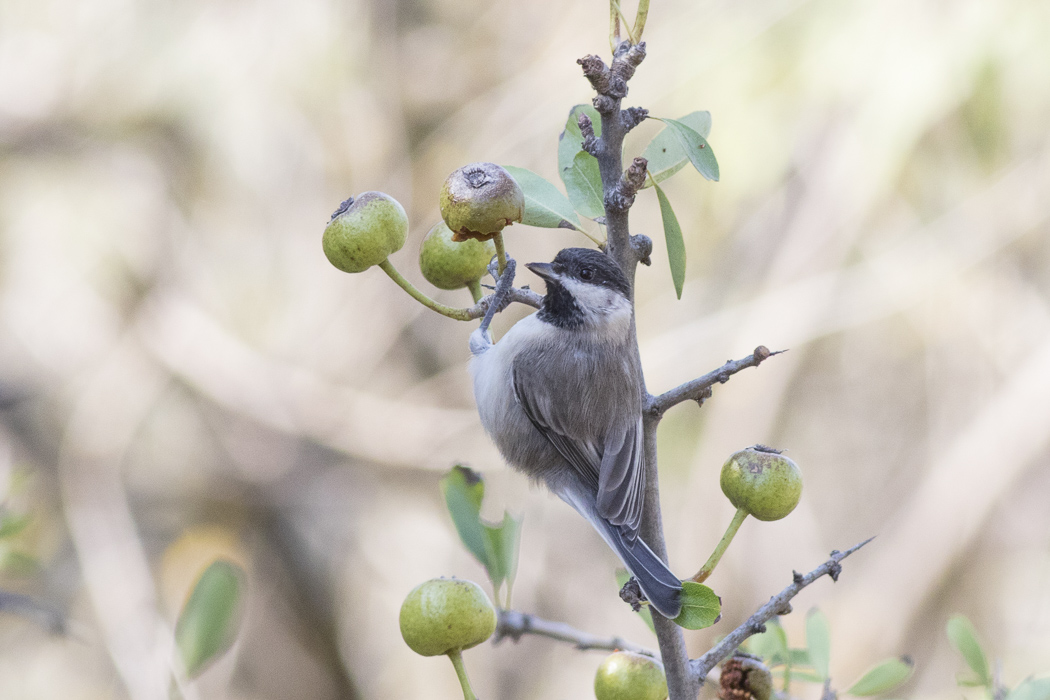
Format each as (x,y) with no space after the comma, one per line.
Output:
(560,396)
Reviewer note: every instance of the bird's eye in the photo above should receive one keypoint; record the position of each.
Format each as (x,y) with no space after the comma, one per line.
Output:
(586,273)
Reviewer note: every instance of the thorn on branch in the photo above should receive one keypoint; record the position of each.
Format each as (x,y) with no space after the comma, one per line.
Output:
(700,389)
(756,623)
(632,117)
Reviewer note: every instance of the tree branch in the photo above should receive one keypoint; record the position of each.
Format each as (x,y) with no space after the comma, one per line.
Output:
(514,624)
(780,604)
(516,294)
(611,85)
(699,389)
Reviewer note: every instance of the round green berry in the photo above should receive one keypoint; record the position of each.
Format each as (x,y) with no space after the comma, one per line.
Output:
(762,482)
(365,231)
(444,615)
(450,265)
(625,675)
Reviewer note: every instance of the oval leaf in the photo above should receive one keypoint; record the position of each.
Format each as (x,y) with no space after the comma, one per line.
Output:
(209,621)
(818,639)
(571,140)
(463,489)
(583,182)
(545,205)
(11,525)
(501,549)
(666,155)
(674,240)
(883,677)
(701,608)
(797,675)
(963,637)
(695,147)
(771,645)
(1031,689)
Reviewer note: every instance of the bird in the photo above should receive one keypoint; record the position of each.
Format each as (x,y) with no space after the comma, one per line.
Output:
(560,394)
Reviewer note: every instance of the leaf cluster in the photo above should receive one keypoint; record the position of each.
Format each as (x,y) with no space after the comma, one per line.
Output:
(494,545)
(682,142)
(963,638)
(812,663)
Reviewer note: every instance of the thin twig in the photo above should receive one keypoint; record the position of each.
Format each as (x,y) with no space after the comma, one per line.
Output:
(777,605)
(514,624)
(699,389)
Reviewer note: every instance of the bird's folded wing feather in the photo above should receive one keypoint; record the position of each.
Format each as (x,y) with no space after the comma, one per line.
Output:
(614,469)
(534,397)
(621,481)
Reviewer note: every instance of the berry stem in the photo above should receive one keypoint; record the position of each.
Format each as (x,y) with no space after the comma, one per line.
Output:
(456,657)
(501,252)
(712,561)
(475,290)
(453,313)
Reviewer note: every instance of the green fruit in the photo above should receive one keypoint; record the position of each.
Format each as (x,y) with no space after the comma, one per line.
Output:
(444,615)
(625,675)
(450,265)
(365,231)
(762,482)
(479,200)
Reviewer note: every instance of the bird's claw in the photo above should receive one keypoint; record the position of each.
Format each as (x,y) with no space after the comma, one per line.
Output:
(500,299)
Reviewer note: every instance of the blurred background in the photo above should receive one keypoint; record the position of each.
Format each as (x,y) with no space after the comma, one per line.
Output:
(184,376)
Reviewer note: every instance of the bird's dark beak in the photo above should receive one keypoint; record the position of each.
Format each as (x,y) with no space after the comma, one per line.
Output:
(544,270)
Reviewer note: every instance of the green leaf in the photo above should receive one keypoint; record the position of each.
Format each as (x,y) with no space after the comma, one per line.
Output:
(883,677)
(963,637)
(463,489)
(818,639)
(622,577)
(501,549)
(583,183)
(1031,689)
(577,168)
(12,524)
(18,563)
(701,608)
(666,155)
(771,645)
(571,140)
(209,621)
(695,147)
(799,675)
(545,205)
(674,240)
(800,657)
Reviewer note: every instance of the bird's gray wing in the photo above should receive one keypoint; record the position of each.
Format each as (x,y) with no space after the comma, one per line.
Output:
(532,391)
(621,481)
(614,469)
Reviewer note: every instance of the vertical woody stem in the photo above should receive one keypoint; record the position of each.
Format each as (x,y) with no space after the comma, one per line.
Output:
(682,685)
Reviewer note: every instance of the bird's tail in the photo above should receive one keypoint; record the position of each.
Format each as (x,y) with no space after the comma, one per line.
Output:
(659,584)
